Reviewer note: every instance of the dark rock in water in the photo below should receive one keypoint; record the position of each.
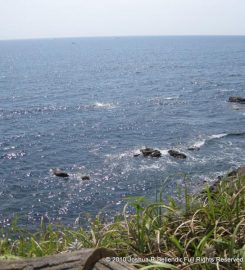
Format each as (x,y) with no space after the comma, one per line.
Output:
(147,151)
(193,148)
(150,152)
(58,172)
(237,99)
(136,155)
(177,154)
(85,177)
(237,134)
(156,153)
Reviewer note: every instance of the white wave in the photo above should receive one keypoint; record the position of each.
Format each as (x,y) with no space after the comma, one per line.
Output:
(199,144)
(14,155)
(225,90)
(171,98)
(135,152)
(164,152)
(104,105)
(122,155)
(218,136)
(118,156)
(161,98)
(149,167)
(129,153)
(9,147)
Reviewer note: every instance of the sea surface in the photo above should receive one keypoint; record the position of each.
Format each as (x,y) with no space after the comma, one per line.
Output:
(87,105)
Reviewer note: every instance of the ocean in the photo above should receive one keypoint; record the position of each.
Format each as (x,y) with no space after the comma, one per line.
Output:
(88,105)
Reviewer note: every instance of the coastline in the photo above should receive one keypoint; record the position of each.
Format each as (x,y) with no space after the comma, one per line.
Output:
(202,226)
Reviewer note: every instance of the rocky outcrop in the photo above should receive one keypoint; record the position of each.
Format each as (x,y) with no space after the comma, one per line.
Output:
(156,153)
(237,100)
(60,173)
(150,152)
(228,177)
(86,177)
(147,151)
(239,171)
(176,154)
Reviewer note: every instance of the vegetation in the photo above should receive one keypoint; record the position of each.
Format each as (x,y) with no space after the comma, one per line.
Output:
(205,226)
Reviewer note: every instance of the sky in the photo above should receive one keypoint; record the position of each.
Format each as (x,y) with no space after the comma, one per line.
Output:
(28,19)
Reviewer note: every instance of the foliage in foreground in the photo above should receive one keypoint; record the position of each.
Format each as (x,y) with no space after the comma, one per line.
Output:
(207,226)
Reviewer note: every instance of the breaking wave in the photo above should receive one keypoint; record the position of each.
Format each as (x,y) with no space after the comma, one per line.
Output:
(218,136)
(104,105)
(202,142)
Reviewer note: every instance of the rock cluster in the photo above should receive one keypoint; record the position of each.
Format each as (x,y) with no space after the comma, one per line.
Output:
(60,173)
(177,154)
(150,152)
(237,100)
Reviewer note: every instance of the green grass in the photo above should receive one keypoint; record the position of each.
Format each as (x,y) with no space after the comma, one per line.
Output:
(207,225)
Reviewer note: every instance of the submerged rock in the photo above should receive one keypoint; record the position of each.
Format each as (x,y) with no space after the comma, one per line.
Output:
(237,134)
(177,154)
(150,152)
(237,99)
(58,172)
(193,148)
(86,177)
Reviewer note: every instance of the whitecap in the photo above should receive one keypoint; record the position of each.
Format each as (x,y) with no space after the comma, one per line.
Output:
(14,155)
(218,136)
(164,152)
(171,98)
(136,152)
(9,147)
(129,153)
(104,105)
(117,156)
(199,144)
(161,98)
(149,167)
(225,90)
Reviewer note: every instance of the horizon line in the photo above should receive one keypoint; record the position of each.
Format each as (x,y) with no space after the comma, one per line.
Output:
(124,36)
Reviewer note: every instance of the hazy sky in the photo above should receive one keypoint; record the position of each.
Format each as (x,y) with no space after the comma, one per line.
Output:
(71,18)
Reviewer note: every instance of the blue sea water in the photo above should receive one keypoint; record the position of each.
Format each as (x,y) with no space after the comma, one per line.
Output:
(87,105)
